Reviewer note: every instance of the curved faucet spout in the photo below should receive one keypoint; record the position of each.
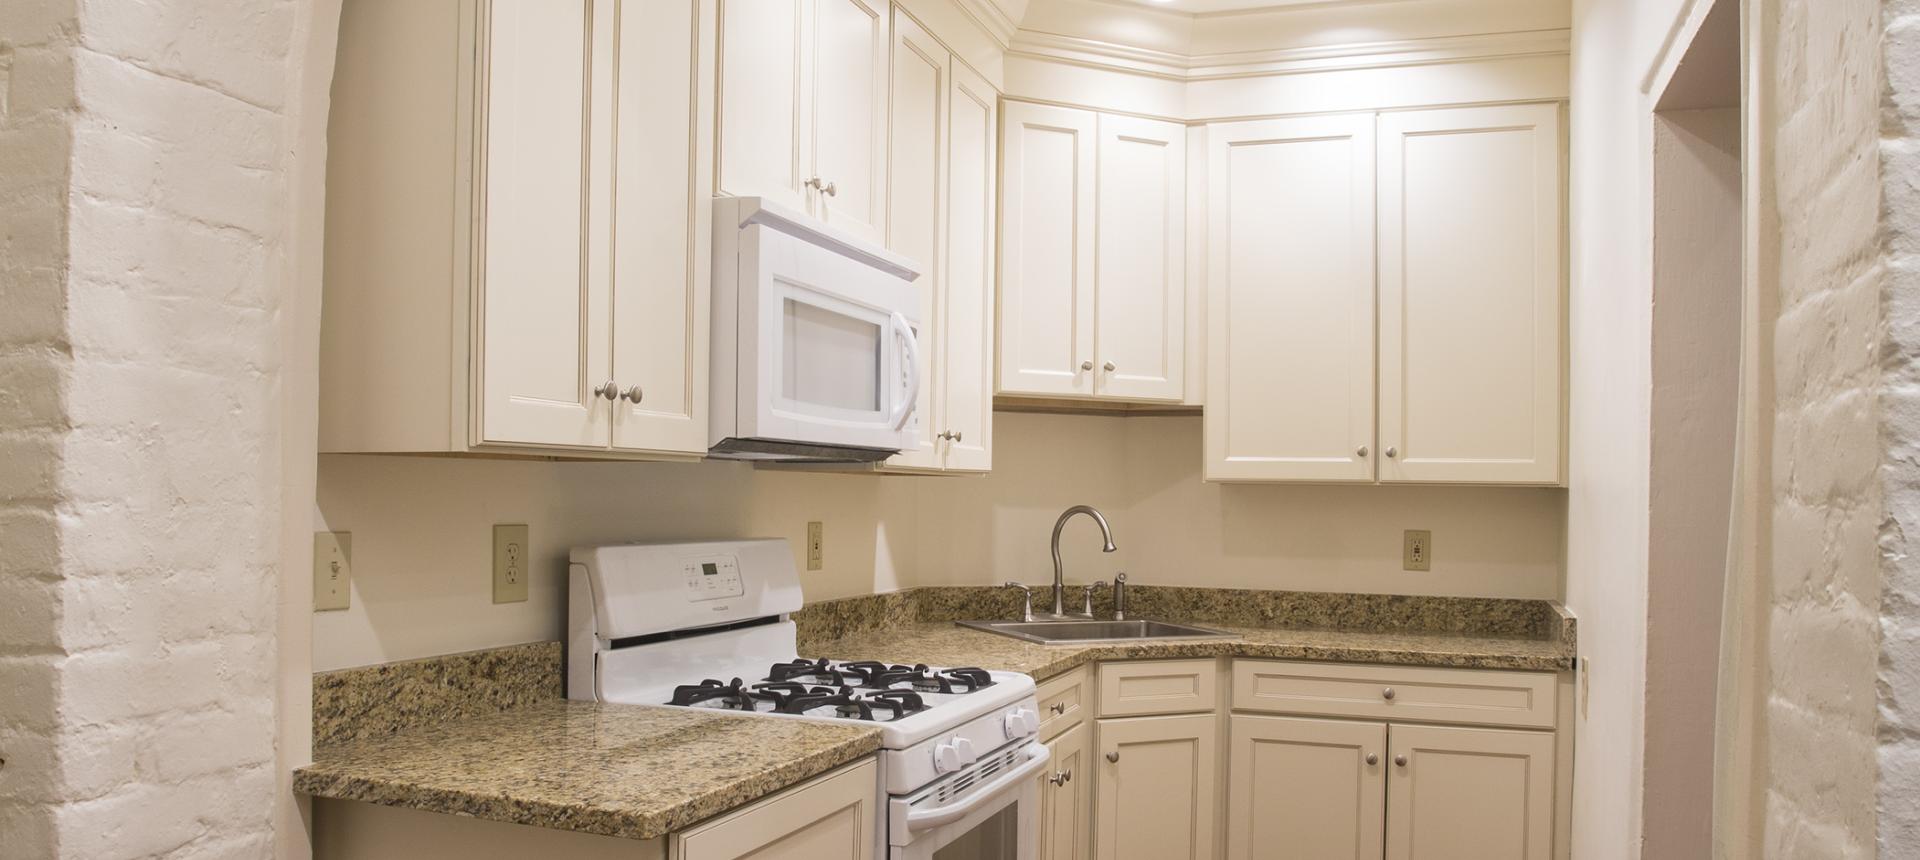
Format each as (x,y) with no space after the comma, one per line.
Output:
(1059,574)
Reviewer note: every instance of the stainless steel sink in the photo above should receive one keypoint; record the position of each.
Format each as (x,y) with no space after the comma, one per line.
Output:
(1076,631)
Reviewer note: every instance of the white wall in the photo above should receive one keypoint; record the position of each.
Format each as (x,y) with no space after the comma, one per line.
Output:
(422,529)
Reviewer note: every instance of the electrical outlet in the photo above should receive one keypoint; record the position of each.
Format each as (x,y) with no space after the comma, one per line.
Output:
(816,545)
(332,570)
(509,564)
(1417,550)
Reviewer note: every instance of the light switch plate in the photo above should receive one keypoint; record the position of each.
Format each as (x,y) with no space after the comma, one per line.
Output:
(332,570)
(510,563)
(1417,550)
(816,545)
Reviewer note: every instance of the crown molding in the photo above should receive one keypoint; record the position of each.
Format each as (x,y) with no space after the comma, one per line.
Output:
(991,19)
(1110,56)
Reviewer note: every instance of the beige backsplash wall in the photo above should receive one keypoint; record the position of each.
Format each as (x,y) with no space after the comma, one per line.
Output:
(422,529)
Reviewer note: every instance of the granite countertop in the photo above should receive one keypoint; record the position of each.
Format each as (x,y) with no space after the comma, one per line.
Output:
(631,771)
(946,644)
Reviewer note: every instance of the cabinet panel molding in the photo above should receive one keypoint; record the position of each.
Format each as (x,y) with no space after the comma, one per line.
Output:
(1046,250)
(1141,260)
(1066,797)
(1158,687)
(1306,788)
(1154,798)
(1468,696)
(1470,794)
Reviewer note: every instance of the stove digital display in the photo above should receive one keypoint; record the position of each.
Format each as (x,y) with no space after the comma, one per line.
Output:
(709,569)
(713,578)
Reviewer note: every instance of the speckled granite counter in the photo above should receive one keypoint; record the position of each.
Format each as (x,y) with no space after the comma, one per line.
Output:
(944,644)
(616,770)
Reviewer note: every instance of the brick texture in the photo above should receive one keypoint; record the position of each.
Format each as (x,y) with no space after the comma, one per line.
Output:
(143,206)
(1898,808)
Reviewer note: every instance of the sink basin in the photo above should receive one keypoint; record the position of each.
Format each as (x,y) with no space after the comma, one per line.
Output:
(1074,631)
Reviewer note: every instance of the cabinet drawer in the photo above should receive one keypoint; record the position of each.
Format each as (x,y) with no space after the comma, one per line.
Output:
(832,816)
(1158,687)
(1465,696)
(1063,702)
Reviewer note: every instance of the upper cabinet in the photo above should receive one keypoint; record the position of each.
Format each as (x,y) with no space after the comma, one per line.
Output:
(941,175)
(1093,255)
(803,108)
(517,229)
(1433,244)
(1471,295)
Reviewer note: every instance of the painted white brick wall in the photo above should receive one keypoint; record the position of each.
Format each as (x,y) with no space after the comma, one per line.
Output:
(143,206)
(1824,631)
(1899,358)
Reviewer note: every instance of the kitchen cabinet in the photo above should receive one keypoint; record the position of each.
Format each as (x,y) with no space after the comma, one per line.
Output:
(1093,263)
(1471,295)
(803,108)
(831,818)
(517,236)
(1290,332)
(1429,238)
(1066,796)
(1306,788)
(1459,793)
(941,183)
(1154,787)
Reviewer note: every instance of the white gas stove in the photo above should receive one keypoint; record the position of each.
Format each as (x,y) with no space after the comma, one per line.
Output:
(705,625)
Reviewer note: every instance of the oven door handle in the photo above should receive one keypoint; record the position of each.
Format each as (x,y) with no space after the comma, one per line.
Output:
(1037,755)
(904,411)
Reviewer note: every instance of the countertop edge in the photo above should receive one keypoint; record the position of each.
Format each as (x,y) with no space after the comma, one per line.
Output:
(332,784)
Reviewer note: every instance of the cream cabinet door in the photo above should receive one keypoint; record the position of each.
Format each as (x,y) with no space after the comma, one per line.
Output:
(1306,788)
(1046,250)
(830,818)
(1471,295)
(1469,794)
(848,75)
(1066,794)
(1154,796)
(1290,300)
(916,183)
(1141,259)
(765,108)
(968,317)
(544,288)
(662,227)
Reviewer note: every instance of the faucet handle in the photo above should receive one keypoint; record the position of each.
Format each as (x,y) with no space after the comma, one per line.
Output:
(1086,598)
(1026,606)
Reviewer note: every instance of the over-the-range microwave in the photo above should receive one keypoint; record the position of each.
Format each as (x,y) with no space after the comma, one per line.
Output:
(814,351)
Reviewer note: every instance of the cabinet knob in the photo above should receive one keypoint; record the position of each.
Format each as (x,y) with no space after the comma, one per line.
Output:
(1361,451)
(1108,367)
(1393,452)
(633,394)
(1400,761)
(1086,365)
(1058,707)
(957,435)
(1061,777)
(822,186)
(608,390)
(1387,694)
(1114,756)
(1373,758)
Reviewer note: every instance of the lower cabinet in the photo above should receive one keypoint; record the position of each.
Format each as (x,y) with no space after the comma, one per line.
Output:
(831,818)
(1154,788)
(1066,797)
(1361,789)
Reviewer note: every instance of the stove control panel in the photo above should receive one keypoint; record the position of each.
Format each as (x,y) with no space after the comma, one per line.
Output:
(712,577)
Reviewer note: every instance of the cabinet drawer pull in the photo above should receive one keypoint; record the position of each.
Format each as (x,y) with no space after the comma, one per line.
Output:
(1387,694)
(1114,756)
(1058,707)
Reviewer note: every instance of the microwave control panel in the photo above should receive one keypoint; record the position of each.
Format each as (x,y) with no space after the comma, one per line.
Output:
(712,577)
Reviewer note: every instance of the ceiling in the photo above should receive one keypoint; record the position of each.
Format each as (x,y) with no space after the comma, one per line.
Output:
(1207,7)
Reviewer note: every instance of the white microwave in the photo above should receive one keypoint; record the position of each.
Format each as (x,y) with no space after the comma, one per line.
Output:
(815,356)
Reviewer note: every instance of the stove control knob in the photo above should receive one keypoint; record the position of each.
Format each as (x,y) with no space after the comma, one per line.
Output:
(946,759)
(965,748)
(1021,723)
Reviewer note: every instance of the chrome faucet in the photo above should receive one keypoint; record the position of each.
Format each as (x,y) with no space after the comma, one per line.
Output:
(1059,574)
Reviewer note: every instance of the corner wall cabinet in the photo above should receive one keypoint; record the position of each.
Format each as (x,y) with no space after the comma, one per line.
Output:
(941,187)
(1093,298)
(1431,239)
(517,229)
(803,108)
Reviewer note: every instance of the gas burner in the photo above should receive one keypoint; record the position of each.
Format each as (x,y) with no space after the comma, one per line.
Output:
(732,696)
(875,705)
(819,671)
(926,680)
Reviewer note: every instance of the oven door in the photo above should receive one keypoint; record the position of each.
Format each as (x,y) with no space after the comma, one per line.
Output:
(834,355)
(990,811)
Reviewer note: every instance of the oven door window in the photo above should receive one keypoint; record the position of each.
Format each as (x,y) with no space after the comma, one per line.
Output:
(831,362)
(997,838)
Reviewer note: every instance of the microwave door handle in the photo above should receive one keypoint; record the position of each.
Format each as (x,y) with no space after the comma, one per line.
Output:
(1037,755)
(904,410)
